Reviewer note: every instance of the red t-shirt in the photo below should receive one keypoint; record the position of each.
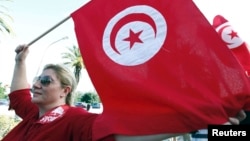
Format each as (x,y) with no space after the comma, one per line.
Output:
(74,125)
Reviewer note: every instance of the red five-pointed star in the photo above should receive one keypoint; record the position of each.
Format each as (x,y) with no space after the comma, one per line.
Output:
(133,38)
(233,34)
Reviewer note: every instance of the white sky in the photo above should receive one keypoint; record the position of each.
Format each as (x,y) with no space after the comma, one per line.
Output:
(32,18)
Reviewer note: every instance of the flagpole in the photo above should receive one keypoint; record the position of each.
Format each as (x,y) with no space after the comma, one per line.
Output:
(49,30)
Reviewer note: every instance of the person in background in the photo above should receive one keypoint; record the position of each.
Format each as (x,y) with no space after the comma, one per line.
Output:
(88,107)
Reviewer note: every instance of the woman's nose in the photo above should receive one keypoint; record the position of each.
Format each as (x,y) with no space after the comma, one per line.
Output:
(36,84)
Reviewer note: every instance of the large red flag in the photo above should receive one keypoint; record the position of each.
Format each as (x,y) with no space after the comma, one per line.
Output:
(158,66)
(233,41)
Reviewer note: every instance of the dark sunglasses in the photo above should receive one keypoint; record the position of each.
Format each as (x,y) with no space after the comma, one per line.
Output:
(44,80)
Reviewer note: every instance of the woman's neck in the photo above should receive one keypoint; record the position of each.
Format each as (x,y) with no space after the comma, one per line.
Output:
(44,109)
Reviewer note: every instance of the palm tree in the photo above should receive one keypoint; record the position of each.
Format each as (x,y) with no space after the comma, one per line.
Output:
(74,59)
(4,17)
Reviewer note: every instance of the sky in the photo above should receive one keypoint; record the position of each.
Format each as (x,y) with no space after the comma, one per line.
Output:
(31,18)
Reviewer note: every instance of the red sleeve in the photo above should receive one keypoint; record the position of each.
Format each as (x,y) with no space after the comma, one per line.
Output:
(20,101)
(81,123)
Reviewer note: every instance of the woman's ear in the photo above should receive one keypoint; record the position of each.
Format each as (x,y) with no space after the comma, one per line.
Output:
(66,91)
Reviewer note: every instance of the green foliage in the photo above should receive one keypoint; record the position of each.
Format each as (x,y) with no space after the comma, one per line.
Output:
(6,124)
(74,59)
(90,98)
(5,19)
(3,94)
(77,96)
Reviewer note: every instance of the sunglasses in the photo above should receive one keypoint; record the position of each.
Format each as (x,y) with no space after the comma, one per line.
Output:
(44,80)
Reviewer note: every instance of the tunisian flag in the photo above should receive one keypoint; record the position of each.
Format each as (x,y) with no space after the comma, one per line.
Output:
(158,67)
(233,41)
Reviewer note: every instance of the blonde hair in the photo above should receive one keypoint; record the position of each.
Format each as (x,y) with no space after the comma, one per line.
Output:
(66,78)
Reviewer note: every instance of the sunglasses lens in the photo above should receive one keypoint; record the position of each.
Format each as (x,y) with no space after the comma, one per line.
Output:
(44,80)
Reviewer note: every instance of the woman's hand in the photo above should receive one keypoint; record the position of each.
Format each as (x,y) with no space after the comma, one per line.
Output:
(21,53)
(237,119)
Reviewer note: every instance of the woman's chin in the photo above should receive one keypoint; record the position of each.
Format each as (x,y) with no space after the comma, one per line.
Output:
(36,100)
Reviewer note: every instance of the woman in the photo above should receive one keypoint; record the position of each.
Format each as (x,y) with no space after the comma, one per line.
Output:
(47,115)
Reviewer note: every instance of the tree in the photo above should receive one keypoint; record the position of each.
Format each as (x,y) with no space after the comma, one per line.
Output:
(4,18)
(90,98)
(3,94)
(77,96)
(74,59)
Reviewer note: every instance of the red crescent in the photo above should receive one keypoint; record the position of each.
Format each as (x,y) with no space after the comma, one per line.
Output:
(220,31)
(127,19)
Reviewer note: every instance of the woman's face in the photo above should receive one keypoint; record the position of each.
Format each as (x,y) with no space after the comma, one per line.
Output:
(47,90)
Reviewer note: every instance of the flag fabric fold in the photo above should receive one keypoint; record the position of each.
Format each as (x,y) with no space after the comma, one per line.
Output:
(233,41)
(158,67)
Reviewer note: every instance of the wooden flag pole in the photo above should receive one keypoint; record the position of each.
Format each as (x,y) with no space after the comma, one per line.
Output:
(49,30)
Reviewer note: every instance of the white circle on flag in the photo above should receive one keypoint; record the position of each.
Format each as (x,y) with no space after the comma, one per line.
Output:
(231,40)
(135,35)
